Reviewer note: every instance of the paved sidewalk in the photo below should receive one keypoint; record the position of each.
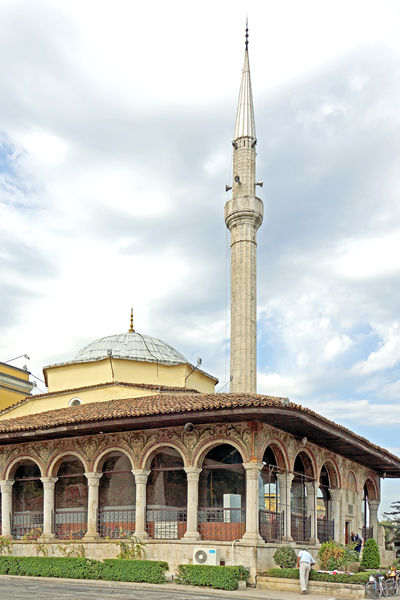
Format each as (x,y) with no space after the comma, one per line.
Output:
(16,587)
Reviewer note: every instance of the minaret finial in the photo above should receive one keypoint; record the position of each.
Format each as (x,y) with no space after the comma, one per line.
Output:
(131,330)
(247,33)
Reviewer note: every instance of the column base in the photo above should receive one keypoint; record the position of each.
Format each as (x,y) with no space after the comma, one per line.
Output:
(254,538)
(287,538)
(48,537)
(91,537)
(192,536)
(142,535)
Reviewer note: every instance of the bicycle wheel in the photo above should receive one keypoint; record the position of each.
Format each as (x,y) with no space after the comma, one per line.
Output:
(373,589)
(391,586)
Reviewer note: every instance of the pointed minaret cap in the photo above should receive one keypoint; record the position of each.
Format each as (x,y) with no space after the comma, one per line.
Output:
(131,330)
(245,123)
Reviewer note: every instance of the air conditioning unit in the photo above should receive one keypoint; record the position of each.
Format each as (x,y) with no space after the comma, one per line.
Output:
(206,556)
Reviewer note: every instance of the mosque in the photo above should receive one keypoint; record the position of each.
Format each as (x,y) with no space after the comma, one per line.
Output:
(132,438)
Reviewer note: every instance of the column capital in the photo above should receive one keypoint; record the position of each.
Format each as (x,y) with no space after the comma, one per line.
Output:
(192,473)
(93,479)
(252,469)
(335,493)
(49,481)
(141,475)
(312,485)
(6,485)
(285,478)
(373,504)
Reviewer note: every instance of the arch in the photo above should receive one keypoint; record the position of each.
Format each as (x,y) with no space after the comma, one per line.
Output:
(149,452)
(222,491)
(205,447)
(70,495)
(27,500)
(117,494)
(371,489)
(308,461)
(58,458)
(281,457)
(98,461)
(333,473)
(13,465)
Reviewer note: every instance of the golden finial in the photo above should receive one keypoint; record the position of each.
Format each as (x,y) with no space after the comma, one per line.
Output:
(131,330)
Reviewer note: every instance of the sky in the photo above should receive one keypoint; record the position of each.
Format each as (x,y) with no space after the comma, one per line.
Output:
(116,122)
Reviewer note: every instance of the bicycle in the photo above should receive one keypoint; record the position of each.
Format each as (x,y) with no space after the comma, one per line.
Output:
(376,586)
(392,582)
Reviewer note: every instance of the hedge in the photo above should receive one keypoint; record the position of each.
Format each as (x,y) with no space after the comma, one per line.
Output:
(82,568)
(223,578)
(148,571)
(360,578)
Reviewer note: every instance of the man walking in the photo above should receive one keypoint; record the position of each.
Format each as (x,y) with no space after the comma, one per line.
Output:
(358,541)
(304,562)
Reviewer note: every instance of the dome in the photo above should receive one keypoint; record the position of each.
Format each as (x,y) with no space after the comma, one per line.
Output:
(131,346)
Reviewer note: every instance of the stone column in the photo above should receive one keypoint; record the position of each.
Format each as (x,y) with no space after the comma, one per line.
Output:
(192,474)
(141,476)
(335,506)
(311,508)
(373,516)
(285,484)
(6,506)
(49,484)
(93,506)
(252,482)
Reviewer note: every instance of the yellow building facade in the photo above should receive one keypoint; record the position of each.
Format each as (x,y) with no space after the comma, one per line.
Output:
(14,385)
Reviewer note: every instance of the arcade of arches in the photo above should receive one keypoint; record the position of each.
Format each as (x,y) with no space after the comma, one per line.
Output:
(218,483)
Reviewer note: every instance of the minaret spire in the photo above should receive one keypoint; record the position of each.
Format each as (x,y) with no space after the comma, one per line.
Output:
(243,216)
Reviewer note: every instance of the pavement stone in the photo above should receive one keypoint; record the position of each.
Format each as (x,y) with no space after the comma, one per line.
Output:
(14,587)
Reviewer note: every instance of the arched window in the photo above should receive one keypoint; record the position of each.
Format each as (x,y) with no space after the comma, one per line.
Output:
(270,516)
(71,494)
(166,495)
(302,507)
(222,494)
(323,495)
(117,497)
(27,502)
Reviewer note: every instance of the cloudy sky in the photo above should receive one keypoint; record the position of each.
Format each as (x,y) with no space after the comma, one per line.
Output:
(116,121)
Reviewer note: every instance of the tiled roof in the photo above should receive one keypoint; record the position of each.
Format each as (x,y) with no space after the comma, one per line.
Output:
(183,405)
(140,386)
(159,404)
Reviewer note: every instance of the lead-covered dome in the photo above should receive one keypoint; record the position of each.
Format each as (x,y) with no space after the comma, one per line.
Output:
(131,346)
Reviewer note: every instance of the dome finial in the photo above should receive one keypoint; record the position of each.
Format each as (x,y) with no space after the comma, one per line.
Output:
(247,33)
(131,330)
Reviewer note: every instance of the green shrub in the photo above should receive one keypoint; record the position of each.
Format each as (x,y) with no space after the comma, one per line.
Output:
(148,571)
(370,557)
(285,557)
(331,556)
(82,568)
(357,578)
(223,578)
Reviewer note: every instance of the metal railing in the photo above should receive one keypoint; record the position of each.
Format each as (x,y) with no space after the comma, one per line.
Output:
(300,528)
(119,523)
(27,525)
(221,523)
(367,533)
(70,525)
(271,525)
(325,530)
(166,523)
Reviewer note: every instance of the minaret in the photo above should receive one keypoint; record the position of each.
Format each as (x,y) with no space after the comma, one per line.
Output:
(243,216)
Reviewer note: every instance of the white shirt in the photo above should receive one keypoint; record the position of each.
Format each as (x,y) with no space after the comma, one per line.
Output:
(305,556)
